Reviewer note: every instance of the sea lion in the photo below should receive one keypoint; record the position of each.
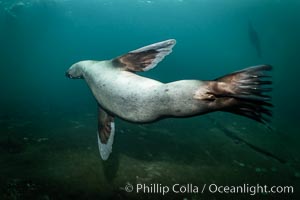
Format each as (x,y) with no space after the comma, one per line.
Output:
(120,92)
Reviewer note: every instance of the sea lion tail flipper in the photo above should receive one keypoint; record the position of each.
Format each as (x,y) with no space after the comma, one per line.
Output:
(145,58)
(105,133)
(244,93)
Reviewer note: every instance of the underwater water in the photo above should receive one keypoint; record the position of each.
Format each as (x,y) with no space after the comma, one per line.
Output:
(48,123)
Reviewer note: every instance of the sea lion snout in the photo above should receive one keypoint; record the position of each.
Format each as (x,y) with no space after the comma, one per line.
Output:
(68,75)
(74,72)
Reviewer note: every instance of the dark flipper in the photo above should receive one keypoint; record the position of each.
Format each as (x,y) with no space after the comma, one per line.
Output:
(145,58)
(244,93)
(105,133)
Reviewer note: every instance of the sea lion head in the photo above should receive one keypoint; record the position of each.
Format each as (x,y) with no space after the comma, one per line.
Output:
(76,70)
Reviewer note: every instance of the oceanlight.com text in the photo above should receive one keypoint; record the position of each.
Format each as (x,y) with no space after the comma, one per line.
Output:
(252,190)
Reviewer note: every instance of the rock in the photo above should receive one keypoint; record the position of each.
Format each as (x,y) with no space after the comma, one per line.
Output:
(242,164)
(239,163)
(42,139)
(297,174)
(258,170)
(274,169)
(45,197)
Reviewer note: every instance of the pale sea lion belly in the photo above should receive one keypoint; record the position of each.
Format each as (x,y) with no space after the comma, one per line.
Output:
(139,99)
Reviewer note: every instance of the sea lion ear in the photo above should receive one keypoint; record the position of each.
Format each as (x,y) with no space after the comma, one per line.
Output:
(145,58)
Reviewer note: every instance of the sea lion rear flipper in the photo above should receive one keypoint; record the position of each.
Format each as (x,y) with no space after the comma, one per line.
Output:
(105,133)
(145,58)
(244,93)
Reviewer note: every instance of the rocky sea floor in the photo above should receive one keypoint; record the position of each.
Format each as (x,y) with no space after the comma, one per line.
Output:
(46,156)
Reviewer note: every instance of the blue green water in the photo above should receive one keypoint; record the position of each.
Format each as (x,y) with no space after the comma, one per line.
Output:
(48,147)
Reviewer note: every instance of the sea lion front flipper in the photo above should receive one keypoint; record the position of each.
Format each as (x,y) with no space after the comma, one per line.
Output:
(105,133)
(145,58)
